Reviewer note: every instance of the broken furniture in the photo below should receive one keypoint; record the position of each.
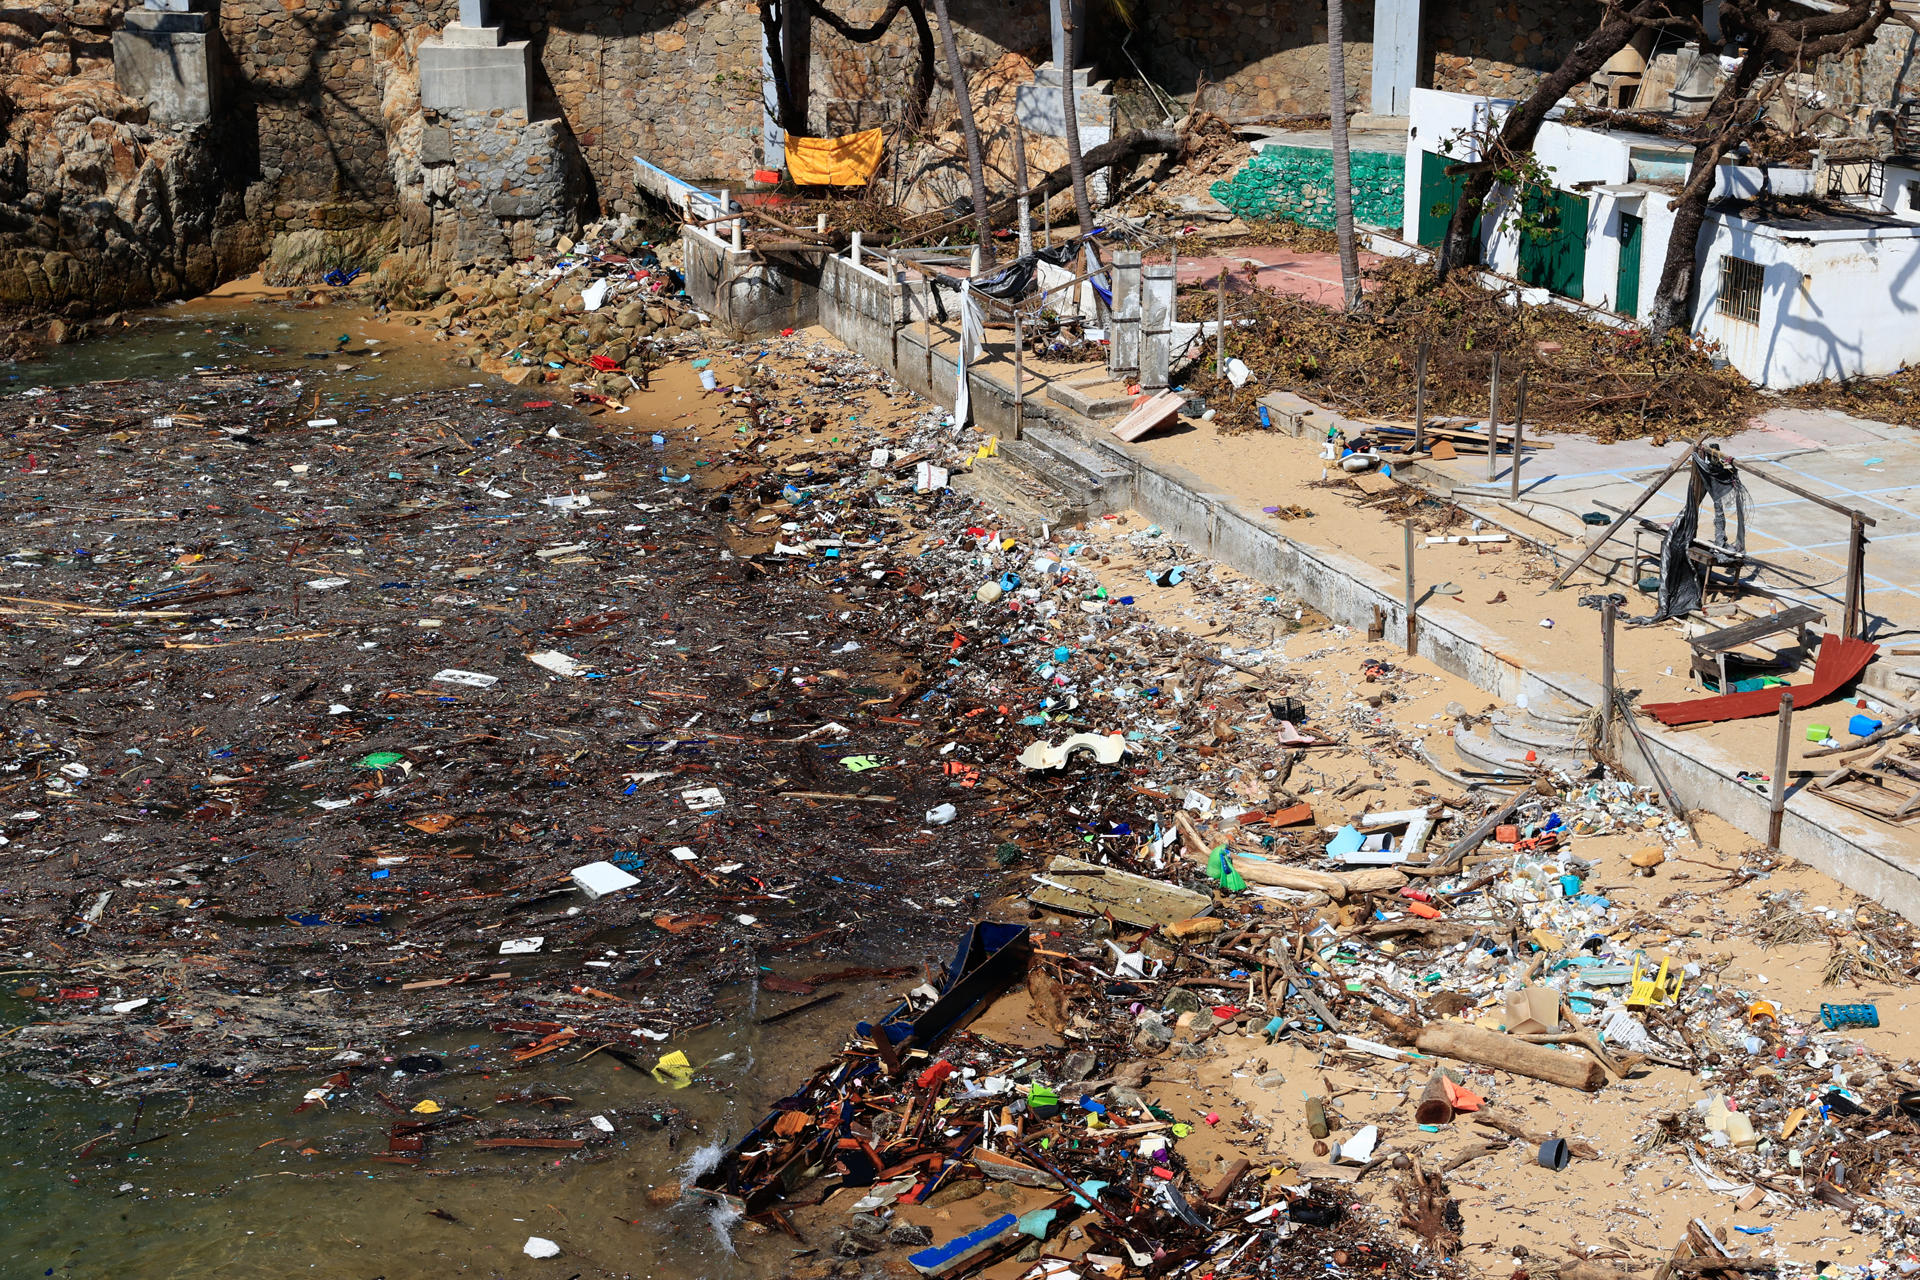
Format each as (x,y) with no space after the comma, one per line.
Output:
(1884,785)
(1710,650)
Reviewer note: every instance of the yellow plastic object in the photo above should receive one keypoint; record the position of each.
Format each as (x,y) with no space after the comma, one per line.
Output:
(1660,989)
(674,1069)
(849,161)
(426,1107)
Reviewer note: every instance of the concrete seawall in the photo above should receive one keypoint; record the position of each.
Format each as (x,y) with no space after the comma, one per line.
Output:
(854,302)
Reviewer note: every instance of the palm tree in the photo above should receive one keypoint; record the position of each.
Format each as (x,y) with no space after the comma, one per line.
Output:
(1070,115)
(963,98)
(1342,164)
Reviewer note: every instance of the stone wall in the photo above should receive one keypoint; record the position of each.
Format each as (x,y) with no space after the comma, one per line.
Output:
(1263,59)
(861,85)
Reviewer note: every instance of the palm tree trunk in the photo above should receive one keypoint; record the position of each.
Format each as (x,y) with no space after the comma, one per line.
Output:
(1342,158)
(963,99)
(1070,114)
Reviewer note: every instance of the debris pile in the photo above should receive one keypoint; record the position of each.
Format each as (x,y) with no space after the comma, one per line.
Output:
(1617,384)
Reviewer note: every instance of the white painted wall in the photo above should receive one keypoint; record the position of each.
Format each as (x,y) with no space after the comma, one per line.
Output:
(1834,303)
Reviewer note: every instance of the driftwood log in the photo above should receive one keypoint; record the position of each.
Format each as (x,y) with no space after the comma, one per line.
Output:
(1465,1043)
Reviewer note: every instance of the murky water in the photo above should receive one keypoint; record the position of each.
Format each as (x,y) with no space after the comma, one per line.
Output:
(216,1184)
(357,350)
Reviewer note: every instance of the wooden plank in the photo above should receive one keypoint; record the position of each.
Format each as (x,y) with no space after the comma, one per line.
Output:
(1744,633)
(530,1144)
(1148,414)
(1133,900)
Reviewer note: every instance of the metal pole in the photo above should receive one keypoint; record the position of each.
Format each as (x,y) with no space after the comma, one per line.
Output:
(1410,627)
(1777,812)
(1220,335)
(1608,611)
(1420,396)
(1493,418)
(1519,419)
(1019,396)
(1856,578)
(853,249)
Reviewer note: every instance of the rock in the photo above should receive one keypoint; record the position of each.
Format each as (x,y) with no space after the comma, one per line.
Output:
(630,316)
(911,1234)
(689,321)
(618,352)
(954,1192)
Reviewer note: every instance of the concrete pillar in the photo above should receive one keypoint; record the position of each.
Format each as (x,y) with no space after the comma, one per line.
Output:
(1396,55)
(167,55)
(1156,325)
(472,66)
(1123,348)
(1061,55)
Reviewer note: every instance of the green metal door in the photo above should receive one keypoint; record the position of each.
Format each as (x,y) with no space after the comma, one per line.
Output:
(1627,289)
(1439,193)
(1553,242)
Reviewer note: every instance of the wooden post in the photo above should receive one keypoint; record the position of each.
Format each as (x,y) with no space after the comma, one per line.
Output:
(1608,611)
(1023,207)
(1777,811)
(1856,578)
(1493,418)
(1220,333)
(1519,420)
(1019,370)
(1410,628)
(1420,396)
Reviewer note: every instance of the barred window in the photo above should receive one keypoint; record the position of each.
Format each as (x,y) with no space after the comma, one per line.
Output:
(1740,282)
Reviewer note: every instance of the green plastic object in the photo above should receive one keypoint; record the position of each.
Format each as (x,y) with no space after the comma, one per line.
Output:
(1819,732)
(381,759)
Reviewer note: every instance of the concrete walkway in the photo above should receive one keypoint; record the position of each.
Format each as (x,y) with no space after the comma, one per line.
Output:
(1865,466)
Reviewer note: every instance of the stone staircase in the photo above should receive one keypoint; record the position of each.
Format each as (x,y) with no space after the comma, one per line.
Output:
(1525,739)
(1048,477)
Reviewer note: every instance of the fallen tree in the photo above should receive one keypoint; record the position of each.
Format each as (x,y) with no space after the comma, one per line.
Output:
(1127,149)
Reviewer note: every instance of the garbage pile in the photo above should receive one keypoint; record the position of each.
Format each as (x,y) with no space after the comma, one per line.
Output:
(604,311)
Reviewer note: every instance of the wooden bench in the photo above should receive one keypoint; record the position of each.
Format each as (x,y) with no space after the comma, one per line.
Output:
(1711,649)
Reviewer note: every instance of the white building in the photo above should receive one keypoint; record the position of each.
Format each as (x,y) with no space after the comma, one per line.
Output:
(1793,295)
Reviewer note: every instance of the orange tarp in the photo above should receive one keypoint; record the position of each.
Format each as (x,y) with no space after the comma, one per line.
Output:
(835,162)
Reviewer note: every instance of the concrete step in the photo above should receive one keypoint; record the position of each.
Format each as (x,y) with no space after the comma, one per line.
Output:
(1106,401)
(1109,472)
(1021,499)
(1062,463)
(1045,467)
(1518,729)
(1481,751)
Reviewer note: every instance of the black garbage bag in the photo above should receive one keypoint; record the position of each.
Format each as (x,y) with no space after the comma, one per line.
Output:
(1683,581)
(1015,280)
